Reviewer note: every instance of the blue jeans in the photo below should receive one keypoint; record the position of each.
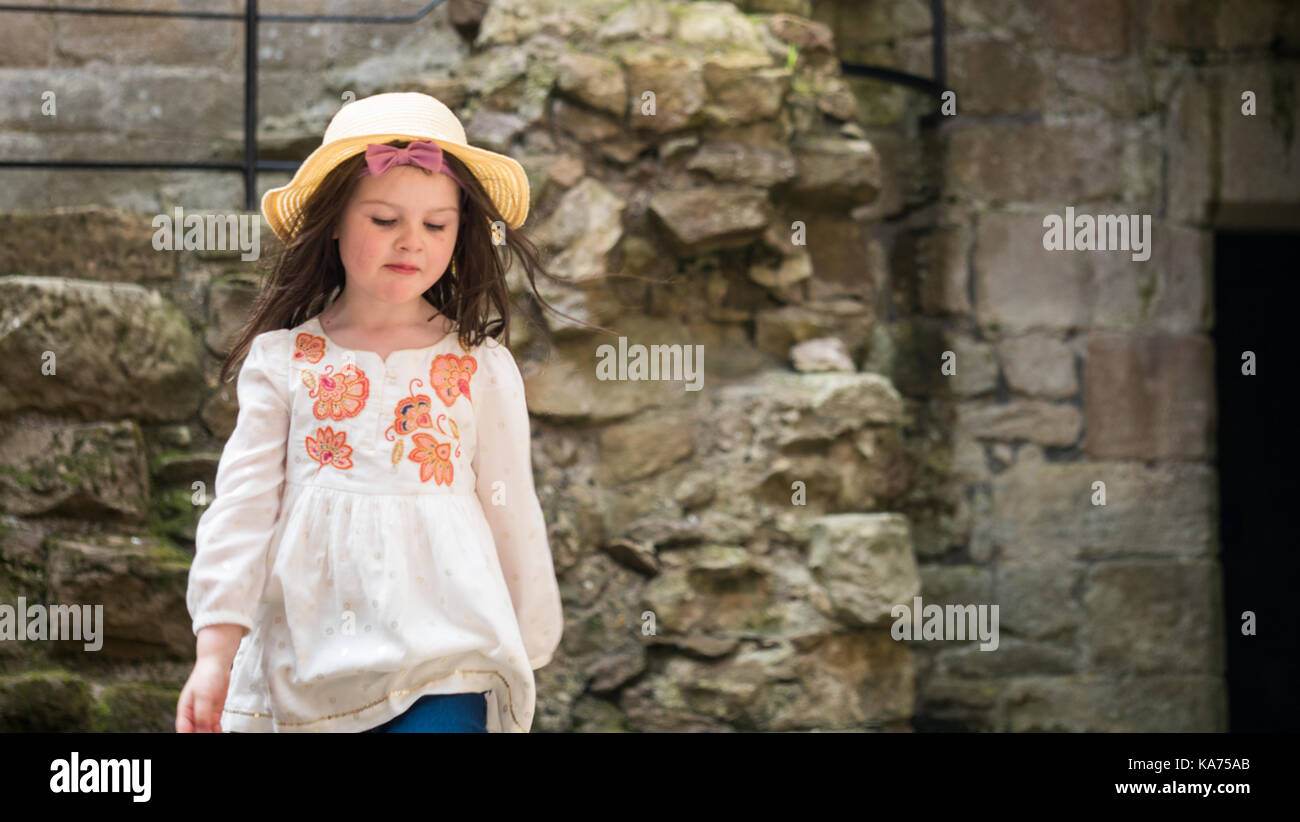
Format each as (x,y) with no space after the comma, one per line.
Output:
(440,713)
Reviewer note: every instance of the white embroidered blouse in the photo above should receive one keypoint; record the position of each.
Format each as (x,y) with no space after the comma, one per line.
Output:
(376,528)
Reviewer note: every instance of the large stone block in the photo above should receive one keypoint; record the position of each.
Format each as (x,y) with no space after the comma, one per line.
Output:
(1039,365)
(593,80)
(1019,285)
(1098,27)
(162,41)
(776,330)
(677,85)
(793,26)
(584,227)
(83,101)
(866,564)
(715,26)
(122,351)
(231,300)
(977,370)
(1181,23)
(820,407)
(1037,601)
(943,269)
(1043,512)
(722,592)
(707,219)
(192,107)
(977,67)
(735,162)
(138,707)
(899,160)
(1091,703)
(1259,24)
(567,386)
(511,21)
(743,87)
(1259,155)
(1037,163)
(22,573)
(857,24)
(141,582)
(91,470)
(1190,148)
(834,172)
(869,473)
(1179,298)
(861,681)
(27,40)
(1040,421)
(1161,616)
(1022,286)
(955,704)
(957,585)
(638,20)
(639,448)
(143,191)
(91,242)
(1149,397)
(842,259)
(1013,657)
(46,701)
(1093,84)
(584,124)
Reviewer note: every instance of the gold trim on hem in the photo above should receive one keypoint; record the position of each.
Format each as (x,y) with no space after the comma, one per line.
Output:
(509,700)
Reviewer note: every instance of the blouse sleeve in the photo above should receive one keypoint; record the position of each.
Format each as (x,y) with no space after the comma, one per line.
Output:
(504,483)
(228,574)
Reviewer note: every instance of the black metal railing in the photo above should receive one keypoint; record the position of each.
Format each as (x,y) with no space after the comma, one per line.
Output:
(934,85)
(251,17)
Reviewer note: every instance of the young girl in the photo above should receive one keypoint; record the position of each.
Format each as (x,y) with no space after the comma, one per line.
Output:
(375,558)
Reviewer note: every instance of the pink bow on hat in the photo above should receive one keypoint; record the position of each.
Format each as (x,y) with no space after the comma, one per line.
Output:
(423,153)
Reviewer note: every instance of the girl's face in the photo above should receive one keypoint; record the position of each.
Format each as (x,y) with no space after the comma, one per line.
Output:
(403,217)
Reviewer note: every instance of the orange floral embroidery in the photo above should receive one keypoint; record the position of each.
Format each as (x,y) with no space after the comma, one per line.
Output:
(330,448)
(309,348)
(449,375)
(455,430)
(434,458)
(412,412)
(341,395)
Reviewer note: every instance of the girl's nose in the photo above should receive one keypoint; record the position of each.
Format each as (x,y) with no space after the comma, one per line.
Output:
(410,237)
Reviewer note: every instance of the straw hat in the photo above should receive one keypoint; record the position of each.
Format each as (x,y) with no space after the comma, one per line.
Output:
(398,116)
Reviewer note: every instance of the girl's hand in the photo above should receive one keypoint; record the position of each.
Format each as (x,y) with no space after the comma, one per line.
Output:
(203,697)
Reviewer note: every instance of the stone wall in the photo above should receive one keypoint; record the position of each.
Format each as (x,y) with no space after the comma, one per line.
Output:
(1072,368)
(727,556)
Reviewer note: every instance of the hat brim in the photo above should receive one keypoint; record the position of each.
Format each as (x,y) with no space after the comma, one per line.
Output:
(502,177)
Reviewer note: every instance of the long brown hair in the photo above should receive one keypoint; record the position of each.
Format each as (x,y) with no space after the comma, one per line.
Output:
(309,269)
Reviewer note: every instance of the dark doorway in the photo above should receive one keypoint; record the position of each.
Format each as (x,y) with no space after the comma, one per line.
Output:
(1256,293)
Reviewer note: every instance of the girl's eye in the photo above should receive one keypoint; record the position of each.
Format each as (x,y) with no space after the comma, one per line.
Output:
(387,223)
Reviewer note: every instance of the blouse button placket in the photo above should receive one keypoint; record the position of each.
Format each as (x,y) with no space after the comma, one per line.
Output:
(383,400)
(349,358)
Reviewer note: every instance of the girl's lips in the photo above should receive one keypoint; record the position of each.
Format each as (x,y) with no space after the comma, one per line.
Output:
(403,269)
